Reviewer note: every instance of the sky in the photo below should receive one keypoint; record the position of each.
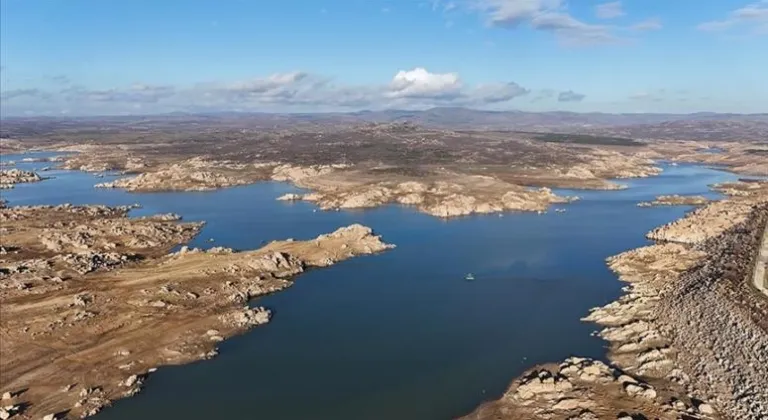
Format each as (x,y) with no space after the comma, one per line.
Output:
(116,57)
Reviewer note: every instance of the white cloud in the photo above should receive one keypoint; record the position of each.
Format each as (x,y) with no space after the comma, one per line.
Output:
(271,83)
(495,93)
(570,96)
(137,93)
(660,95)
(754,16)
(553,16)
(545,15)
(8,95)
(572,31)
(419,83)
(653,24)
(610,10)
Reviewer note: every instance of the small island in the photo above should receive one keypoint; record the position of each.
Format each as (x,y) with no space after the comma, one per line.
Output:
(676,200)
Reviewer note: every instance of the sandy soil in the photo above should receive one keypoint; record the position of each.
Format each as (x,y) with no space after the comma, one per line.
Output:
(92,303)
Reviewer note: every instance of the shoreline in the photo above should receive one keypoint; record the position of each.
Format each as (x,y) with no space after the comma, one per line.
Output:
(652,327)
(94,303)
(442,191)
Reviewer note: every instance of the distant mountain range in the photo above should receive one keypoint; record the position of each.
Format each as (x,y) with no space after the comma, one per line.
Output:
(703,125)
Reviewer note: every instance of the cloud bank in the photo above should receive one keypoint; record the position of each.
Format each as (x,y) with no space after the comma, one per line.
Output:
(279,92)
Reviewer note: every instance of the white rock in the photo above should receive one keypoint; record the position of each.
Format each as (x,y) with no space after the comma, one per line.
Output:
(706,409)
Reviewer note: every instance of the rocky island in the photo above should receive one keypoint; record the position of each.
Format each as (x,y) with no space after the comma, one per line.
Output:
(676,200)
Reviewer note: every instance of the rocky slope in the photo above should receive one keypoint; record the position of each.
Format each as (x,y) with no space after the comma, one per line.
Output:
(705,222)
(92,303)
(719,323)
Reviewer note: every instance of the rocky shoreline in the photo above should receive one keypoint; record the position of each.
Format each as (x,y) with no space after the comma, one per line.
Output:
(690,334)
(439,192)
(93,302)
(10,177)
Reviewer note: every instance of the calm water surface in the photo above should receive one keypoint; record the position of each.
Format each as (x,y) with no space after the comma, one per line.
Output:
(399,335)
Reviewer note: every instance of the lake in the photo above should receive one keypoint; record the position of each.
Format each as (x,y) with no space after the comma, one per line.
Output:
(402,334)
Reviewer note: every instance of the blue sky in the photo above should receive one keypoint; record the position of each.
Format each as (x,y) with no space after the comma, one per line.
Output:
(78,57)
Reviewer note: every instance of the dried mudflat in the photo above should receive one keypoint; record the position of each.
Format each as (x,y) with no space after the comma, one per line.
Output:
(93,302)
(688,340)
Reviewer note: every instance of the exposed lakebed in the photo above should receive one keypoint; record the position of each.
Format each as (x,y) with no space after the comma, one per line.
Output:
(401,334)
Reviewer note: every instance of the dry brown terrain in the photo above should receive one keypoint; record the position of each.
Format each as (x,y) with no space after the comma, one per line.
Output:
(92,303)
(443,173)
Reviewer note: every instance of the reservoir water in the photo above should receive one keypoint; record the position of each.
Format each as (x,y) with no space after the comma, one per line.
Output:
(402,334)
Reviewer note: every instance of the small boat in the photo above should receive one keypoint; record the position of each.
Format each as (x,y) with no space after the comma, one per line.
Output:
(469,277)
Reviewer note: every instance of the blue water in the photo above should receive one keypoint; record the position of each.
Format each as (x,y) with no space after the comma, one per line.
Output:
(399,335)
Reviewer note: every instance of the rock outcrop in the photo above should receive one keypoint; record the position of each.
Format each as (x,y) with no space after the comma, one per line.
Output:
(9,177)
